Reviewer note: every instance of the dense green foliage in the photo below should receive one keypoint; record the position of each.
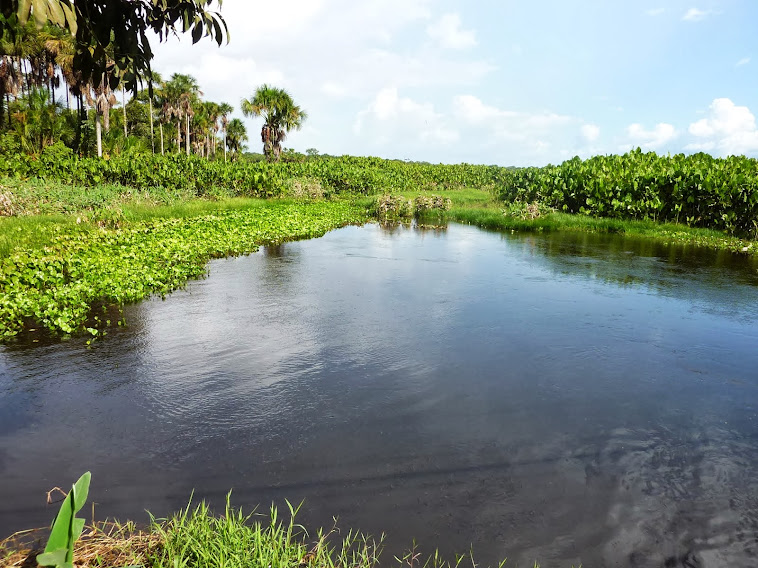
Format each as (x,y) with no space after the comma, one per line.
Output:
(698,190)
(203,177)
(196,537)
(110,38)
(57,287)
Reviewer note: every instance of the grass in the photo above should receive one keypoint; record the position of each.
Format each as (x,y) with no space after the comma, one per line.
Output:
(480,208)
(500,220)
(195,537)
(55,268)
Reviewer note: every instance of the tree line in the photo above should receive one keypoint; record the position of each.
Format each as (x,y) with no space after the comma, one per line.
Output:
(61,81)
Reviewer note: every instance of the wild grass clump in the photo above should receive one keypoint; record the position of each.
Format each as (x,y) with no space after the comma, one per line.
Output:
(429,203)
(304,188)
(195,537)
(395,208)
(101,544)
(530,211)
(6,204)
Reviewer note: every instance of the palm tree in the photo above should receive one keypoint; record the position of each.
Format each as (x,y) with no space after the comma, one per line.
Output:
(153,94)
(102,99)
(224,110)
(181,93)
(236,135)
(280,114)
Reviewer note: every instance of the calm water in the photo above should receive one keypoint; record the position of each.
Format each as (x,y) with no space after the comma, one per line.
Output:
(563,398)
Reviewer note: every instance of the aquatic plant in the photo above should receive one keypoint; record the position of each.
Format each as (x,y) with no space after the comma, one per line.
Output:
(67,528)
(56,287)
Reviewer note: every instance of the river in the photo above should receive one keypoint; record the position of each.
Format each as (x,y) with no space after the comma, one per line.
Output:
(566,398)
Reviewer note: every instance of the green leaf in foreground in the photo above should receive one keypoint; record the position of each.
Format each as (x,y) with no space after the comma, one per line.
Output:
(59,551)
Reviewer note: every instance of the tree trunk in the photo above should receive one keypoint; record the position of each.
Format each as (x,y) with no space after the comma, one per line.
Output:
(79,122)
(178,135)
(187,119)
(2,101)
(152,132)
(160,127)
(99,134)
(107,117)
(224,145)
(123,104)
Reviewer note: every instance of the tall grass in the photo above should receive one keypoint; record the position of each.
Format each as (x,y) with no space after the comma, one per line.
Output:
(195,537)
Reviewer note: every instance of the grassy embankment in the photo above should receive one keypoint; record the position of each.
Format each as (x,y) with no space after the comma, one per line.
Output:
(482,209)
(198,537)
(68,249)
(60,273)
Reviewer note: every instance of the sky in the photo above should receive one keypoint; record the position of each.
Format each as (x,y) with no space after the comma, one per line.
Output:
(502,82)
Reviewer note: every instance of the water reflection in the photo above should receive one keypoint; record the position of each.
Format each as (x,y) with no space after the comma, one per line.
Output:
(568,398)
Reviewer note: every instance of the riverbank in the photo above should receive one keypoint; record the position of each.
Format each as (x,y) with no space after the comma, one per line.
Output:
(62,278)
(195,536)
(483,209)
(69,255)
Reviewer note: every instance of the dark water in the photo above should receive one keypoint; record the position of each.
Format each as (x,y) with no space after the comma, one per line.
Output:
(562,398)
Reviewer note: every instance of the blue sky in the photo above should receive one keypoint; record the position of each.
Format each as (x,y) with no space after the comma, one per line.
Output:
(496,82)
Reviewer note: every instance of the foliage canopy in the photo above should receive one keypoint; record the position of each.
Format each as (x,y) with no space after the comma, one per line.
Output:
(120,25)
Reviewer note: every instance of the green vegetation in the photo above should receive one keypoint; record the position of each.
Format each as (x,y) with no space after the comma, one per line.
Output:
(280,114)
(698,190)
(67,528)
(109,41)
(365,176)
(56,286)
(197,537)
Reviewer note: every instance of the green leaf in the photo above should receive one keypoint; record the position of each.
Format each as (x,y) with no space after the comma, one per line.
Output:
(40,10)
(24,8)
(53,558)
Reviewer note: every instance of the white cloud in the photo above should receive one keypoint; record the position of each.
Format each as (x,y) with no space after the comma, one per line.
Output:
(506,123)
(696,15)
(590,132)
(333,90)
(391,118)
(334,56)
(521,138)
(447,33)
(655,11)
(743,61)
(729,129)
(473,110)
(653,139)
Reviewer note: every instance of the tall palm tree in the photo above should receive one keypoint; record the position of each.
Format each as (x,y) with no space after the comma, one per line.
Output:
(224,110)
(181,93)
(102,99)
(153,94)
(236,136)
(280,114)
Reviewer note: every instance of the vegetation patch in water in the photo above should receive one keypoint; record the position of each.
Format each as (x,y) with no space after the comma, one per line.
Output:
(397,208)
(54,287)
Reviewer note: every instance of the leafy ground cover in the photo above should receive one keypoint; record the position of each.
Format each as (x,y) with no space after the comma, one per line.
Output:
(115,244)
(56,286)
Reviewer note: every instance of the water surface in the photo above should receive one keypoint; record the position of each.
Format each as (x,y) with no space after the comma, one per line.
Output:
(565,398)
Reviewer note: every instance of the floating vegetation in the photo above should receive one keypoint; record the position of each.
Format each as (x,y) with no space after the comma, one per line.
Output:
(55,287)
